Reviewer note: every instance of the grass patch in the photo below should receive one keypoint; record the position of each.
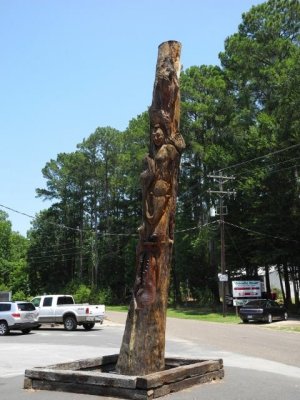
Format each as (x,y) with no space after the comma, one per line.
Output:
(287,328)
(208,315)
(191,313)
(117,308)
(202,315)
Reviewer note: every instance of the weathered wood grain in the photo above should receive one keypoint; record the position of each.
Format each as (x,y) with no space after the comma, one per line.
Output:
(143,346)
(93,389)
(176,374)
(82,377)
(86,363)
(185,373)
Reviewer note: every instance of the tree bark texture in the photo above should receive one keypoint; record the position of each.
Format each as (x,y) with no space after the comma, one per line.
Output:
(143,346)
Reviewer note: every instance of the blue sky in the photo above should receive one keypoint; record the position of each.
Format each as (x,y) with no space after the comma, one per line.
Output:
(70,66)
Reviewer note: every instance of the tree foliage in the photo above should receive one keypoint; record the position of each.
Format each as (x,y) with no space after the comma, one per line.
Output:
(13,267)
(240,119)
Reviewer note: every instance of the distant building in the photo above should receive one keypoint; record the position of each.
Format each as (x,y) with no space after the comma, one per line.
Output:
(275,280)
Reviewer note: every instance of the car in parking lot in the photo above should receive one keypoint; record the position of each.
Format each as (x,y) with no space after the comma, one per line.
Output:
(263,310)
(17,315)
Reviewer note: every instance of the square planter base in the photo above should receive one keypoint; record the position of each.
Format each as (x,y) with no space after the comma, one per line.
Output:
(96,376)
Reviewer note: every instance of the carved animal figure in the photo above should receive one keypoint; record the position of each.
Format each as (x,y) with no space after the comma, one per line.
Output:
(146,280)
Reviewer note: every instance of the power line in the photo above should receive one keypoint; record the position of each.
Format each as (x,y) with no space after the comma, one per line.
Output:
(90,230)
(284,169)
(32,217)
(196,227)
(262,234)
(181,195)
(246,162)
(18,212)
(259,158)
(69,227)
(285,161)
(69,255)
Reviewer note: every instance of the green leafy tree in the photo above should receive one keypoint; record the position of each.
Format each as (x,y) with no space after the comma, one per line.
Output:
(207,110)
(95,213)
(239,119)
(261,63)
(5,248)
(13,250)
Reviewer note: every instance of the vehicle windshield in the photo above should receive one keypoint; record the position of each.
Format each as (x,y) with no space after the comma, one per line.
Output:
(256,303)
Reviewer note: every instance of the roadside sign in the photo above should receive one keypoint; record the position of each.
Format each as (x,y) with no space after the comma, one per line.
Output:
(223,277)
(239,302)
(246,289)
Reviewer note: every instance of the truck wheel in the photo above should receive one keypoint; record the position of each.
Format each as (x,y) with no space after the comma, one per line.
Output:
(3,328)
(88,326)
(70,323)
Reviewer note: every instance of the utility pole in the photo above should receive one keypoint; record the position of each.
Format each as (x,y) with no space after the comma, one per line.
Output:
(80,269)
(221,180)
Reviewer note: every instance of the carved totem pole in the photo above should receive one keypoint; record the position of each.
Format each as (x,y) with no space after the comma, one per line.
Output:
(143,347)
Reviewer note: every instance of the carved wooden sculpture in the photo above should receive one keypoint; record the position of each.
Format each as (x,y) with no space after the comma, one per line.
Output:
(143,346)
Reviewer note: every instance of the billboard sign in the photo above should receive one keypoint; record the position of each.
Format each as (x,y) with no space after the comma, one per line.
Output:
(242,289)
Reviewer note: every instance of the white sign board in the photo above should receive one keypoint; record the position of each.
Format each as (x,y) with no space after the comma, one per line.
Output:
(239,302)
(223,277)
(246,289)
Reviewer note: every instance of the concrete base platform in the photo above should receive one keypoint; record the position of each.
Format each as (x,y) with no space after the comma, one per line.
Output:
(96,376)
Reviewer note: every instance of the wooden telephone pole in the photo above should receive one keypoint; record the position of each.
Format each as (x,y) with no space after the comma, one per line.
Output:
(143,346)
(221,179)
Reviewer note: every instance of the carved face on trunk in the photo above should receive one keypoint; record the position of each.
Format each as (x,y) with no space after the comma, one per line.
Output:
(158,136)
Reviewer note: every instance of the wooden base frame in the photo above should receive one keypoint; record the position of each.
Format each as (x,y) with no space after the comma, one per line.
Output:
(97,376)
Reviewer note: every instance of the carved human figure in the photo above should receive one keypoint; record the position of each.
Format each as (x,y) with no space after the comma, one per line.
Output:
(158,188)
(158,183)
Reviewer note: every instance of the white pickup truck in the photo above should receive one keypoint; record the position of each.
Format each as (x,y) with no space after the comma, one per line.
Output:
(61,309)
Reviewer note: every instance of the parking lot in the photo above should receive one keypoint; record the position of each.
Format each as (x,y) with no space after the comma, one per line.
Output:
(258,361)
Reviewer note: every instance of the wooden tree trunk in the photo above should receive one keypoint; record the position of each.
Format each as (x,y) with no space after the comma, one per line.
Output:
(143,347)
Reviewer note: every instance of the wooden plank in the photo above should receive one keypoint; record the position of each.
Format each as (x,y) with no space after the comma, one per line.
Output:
(87,363)
(195,380)
(27,383)
(82,377)
(178,361)
(187,383)
(93,390)
(175,374)
(187,373)
(162,391)
(128,393)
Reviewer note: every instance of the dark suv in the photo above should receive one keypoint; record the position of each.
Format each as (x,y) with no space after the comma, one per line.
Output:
(17,316)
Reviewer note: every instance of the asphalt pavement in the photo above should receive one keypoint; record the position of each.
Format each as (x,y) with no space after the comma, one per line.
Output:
(250,371)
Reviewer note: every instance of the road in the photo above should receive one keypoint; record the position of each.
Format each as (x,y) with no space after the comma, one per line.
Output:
(259,362)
